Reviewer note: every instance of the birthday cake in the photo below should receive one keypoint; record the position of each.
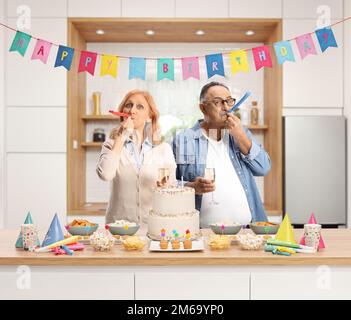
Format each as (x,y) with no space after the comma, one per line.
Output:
(173,208)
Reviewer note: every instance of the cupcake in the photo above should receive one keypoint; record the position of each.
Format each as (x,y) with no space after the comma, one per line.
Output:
(176,244)
(164,244)
(188,244)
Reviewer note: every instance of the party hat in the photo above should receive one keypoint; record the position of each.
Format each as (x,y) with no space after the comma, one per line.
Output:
(286,232)
(19,242)
(54,233)
(321,241)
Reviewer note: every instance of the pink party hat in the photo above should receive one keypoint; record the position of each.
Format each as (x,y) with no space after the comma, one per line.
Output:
(321,241)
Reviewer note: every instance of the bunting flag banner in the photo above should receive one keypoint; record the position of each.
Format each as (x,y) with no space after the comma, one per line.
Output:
(284,52)
(190,68)
(137,68)
(64,57)
(41,50)
(214,64)
(165,69)
(87,62)
(109,65)
(305,45)
(262,57)
(326,38)
(238,61)
(20,42)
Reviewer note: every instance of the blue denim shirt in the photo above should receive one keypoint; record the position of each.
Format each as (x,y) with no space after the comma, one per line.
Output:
(190,151)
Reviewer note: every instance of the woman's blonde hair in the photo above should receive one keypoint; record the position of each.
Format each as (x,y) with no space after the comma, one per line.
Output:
(154,115)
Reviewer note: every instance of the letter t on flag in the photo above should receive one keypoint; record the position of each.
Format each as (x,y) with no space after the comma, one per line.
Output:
(87,62)
(238,61)
(20,43)
(262,57)
(190,68)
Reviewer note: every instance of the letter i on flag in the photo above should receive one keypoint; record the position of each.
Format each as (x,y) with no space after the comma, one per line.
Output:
(326,38)
(109,65)
(20,42)
(64,57)
(137,68)
(214,64)
(305,45)
(238,61)
(262,57)
(87,62)
(165,69)
(284,51)
(190,68)
(41,51)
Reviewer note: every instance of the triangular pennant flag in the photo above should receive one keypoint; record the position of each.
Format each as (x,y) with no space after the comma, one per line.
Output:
(19,242)
(137,68)
(109,65)
(286,232)
(87,62)
(64,57)
(20,42)
(214,64)
(305,45)
(262,57)
(190,68)
(321,241)
(54,233)
(326,38)
(284,51)
(165,69)
(41,50)
(238,61)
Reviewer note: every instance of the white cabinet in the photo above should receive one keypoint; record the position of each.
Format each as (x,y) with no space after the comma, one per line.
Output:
(36,129)
(303,9)
(150,8)
(298,283)
(192,284)
(37,8)
(65,283)
(35,182)
(255,9)
(316,81)
(94,8)
(30,82)
(202,9)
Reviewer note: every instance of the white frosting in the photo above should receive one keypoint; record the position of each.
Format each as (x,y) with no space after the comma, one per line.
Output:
(173,209)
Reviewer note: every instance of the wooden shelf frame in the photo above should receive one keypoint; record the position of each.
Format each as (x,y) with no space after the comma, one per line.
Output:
(82,30)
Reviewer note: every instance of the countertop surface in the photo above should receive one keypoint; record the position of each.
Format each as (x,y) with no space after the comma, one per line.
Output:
(337,252)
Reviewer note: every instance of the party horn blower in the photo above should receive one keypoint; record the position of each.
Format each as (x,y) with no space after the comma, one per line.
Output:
(66,241)
(120,114)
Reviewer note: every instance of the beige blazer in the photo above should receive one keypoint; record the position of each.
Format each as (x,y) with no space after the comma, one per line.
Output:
(131,191)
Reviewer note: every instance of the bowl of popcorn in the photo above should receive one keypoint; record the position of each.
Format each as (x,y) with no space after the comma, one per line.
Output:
(250,241)
(219,242)
(123,228)
(133,243)
(81,227)
(228,228)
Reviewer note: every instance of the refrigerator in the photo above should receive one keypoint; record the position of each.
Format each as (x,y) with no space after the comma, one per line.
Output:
(314,157)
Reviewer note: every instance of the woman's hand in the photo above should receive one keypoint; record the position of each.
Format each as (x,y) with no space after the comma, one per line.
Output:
(124,130)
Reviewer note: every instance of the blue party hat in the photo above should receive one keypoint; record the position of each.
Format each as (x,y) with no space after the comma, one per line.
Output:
(19,242)
(54,233)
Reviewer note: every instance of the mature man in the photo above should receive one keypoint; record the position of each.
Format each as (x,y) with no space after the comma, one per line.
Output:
(220,141)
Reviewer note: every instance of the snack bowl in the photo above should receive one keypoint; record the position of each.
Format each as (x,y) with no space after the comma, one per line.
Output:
(82,230)
(264,229)
(123,230)
(228,229)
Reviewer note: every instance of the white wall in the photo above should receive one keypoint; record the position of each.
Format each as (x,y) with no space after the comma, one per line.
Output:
(39,92)
(347,96)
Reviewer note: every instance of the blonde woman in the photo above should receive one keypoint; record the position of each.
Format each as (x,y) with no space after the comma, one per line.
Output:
(131,157)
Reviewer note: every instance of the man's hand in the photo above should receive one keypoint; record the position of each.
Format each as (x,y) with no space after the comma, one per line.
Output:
(202,185)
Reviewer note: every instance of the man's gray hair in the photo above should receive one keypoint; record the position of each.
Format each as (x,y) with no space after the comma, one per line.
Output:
(207,86)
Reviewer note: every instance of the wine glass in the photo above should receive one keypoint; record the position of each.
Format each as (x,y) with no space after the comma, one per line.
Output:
(211,175)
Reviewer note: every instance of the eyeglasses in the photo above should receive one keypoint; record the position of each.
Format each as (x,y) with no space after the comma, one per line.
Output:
(220,102)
